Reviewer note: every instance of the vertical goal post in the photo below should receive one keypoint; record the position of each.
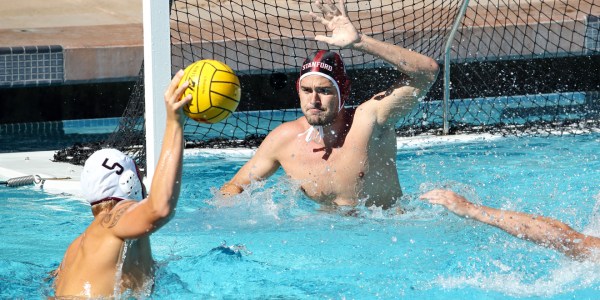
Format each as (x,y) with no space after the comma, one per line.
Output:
(157,74)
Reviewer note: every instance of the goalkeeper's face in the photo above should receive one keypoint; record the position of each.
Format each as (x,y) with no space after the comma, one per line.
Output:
(319,100)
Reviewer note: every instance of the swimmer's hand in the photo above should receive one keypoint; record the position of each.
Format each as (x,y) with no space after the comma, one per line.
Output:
(452,201)
(230,189)
(225,197)
(343,33)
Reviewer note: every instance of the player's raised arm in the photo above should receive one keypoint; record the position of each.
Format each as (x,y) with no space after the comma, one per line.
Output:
(141,218)
(419,71)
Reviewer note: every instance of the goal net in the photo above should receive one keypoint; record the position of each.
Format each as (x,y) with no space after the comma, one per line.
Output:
(514,67)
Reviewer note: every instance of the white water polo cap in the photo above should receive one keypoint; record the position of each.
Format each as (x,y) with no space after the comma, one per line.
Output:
(109,174)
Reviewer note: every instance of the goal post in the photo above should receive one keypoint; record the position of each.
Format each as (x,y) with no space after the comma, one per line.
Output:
(157,74)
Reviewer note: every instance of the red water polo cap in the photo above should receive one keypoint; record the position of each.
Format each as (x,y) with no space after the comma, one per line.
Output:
(329,65)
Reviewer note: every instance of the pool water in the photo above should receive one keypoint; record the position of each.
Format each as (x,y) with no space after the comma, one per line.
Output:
(271,242)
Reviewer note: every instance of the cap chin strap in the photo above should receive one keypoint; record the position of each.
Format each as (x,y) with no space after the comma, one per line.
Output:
(313,133)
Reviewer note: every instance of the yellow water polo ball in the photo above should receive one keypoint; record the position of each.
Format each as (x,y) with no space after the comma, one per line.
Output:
(215,91)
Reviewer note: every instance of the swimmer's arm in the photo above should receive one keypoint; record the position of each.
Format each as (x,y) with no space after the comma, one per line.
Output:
(261,166)
(132,220)
(544,231)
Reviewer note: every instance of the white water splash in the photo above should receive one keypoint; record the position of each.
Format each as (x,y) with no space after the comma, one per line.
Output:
(261,203)
(593,228)
(569,276)
(87,289)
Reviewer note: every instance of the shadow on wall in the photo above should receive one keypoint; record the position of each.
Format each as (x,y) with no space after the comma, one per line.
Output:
(63,102)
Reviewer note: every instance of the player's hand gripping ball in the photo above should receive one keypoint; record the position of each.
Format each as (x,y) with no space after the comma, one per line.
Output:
(215,91)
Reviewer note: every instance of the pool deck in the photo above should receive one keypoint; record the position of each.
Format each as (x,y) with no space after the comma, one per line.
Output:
(59,177)
(100,40)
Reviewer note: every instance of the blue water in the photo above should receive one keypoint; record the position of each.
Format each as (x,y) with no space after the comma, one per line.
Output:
(274,243)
